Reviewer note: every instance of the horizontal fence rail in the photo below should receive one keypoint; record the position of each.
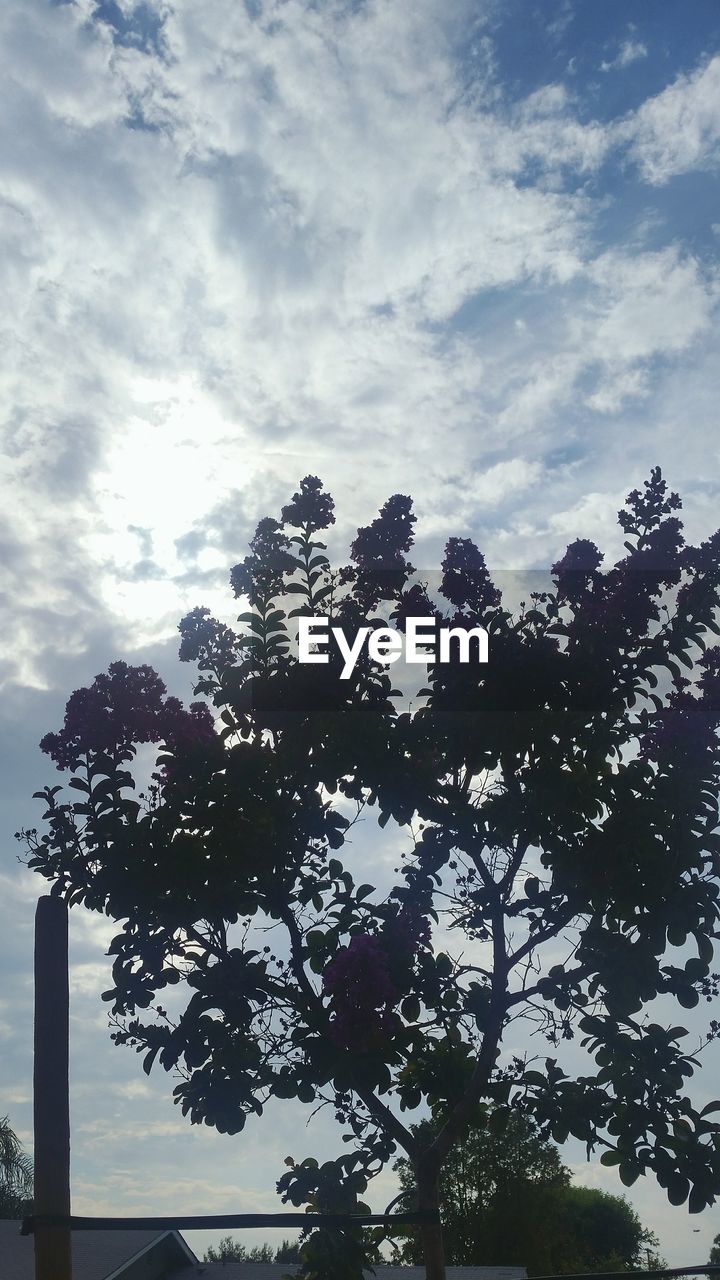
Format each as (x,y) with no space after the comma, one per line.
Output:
(202,1222)
(705,1269)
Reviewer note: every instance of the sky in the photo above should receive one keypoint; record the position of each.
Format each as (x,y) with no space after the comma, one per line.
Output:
(463,251)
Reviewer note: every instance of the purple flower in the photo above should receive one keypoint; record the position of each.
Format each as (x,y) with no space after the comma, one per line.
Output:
(466,582)
(310,506)
(206,641)
(364,980)
(260,575)
(123,707)
(362,994)
(577,569)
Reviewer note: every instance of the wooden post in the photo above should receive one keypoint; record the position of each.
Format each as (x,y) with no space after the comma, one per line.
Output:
(53,1256)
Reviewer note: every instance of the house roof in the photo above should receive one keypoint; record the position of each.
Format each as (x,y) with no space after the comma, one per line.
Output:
(98,1255)
(274,1271)
(159,1255)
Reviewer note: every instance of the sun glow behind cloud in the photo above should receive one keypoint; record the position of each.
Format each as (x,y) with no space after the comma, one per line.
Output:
(166,470)
(165,465)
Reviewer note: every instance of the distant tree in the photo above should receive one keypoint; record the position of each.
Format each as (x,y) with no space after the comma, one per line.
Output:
(715,1251)
(563,795)
(288,1251)
(16,1173)
(501,1162)
(597,1231)
(506,1199)
(229,1250)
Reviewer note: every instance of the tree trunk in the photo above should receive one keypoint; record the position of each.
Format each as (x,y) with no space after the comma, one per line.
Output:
(431,1234)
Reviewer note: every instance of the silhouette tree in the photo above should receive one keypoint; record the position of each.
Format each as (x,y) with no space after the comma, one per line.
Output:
(502,1163)
(229,1250)
(561,796)
(594,1231)
(506,1197)
(288,1251)
(16,1173)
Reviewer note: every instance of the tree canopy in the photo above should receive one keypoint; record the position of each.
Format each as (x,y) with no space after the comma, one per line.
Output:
(559,804)
(506,1197)
(501,1163)
(230,1250)
(595,1231)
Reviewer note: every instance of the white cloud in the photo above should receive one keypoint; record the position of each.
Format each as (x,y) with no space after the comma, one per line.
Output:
(630,51)
(613,392)
(546,128)
(679,129)
(648,305)
(252,290)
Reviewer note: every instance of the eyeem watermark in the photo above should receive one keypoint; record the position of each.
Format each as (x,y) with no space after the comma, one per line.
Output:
(385,644)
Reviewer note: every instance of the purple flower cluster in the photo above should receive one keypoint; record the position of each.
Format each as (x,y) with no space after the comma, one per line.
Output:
(260,575)
(358,981)
(577,568)
(181,729)
(413,603)
(466,582)
(644,511)
(206,641)
(378,553)
(382,544)
(364,980)
(311,506)
(123,707)
(660,553)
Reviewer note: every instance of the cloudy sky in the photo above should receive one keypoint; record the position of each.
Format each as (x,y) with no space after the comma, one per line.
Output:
(466,251)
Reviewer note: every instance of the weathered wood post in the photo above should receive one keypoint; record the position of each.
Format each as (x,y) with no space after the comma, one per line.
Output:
(51,1105)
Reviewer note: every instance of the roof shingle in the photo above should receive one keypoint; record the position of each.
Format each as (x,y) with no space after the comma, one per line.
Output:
(274,1271)
(96,1254)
